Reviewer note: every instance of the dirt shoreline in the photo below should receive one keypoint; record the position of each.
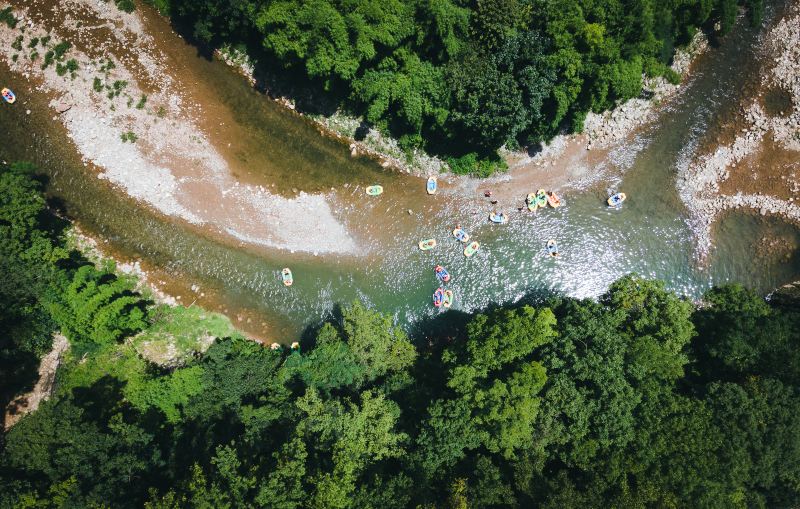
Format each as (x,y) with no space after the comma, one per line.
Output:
(764,152)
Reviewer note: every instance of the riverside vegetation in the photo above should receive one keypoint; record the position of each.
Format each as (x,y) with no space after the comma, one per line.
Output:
(637,399)
(459,78)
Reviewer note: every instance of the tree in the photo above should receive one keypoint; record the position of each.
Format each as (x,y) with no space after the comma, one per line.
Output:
(740,336)
(404,94)
(99,307)
(378,346)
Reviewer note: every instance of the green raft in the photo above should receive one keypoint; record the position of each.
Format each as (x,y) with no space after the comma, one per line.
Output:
(427,245)
(471,248)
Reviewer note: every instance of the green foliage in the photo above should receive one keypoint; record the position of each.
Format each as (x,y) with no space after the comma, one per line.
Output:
(175,334)
(69,67)
(445,74)
(60,49)
(99,307)
(7,17)
(128,136)
(116,89)
(125,5)
(332,40)
(471,164)
(637,399)
(30,248)
(56,55)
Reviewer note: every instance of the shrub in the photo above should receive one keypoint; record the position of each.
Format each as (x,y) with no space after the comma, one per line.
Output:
(129,136)
(60,49)
(7,17)
(125,5)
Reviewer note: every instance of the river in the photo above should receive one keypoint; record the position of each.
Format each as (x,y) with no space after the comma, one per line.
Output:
(272,147)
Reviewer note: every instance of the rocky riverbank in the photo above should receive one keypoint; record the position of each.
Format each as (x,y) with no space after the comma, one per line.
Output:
(139,127)
(579,160)
(700,182)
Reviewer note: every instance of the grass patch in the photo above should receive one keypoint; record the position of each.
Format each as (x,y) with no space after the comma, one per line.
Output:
(129,136)
(116,88)
(97,85)
(56,54)
(472,164)
(108,66)
(17,44)
(7,17)
(161,112)
(142,102)
(70,67)
(33,42)
(178,333)
(34,56)
(60,49)
(125,5)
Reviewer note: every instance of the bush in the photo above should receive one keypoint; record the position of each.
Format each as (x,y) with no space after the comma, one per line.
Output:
(7,17)
(129,136)
(471,164)
(60,49)
(125,5)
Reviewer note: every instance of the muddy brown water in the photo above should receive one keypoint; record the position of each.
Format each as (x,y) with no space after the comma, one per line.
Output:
(276,148)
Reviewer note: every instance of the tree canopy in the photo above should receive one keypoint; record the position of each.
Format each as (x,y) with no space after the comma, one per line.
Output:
(462,78)
(636,399)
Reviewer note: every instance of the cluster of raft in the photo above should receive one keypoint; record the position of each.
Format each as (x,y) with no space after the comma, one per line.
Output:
(534,201)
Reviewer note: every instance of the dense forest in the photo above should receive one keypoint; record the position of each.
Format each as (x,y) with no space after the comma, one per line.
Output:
(636,399)
(459,78)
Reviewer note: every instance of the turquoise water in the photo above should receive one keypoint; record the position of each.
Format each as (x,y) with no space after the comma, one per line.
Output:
(647,235)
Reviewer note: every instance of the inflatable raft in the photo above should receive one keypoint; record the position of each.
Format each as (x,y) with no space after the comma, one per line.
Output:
(438,297)
(499,218)
(427,245)
(8,95)
(615,200)
(448,298)
(286,275)
(553,200)
(461,235)
(541,198)
(471,248)
(531,201)
(374,190)
(442,274)
(432,185)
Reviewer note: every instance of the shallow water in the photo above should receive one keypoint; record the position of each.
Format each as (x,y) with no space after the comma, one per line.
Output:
(647,235)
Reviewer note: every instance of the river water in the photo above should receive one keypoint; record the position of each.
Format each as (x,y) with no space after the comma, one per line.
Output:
(648,235)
